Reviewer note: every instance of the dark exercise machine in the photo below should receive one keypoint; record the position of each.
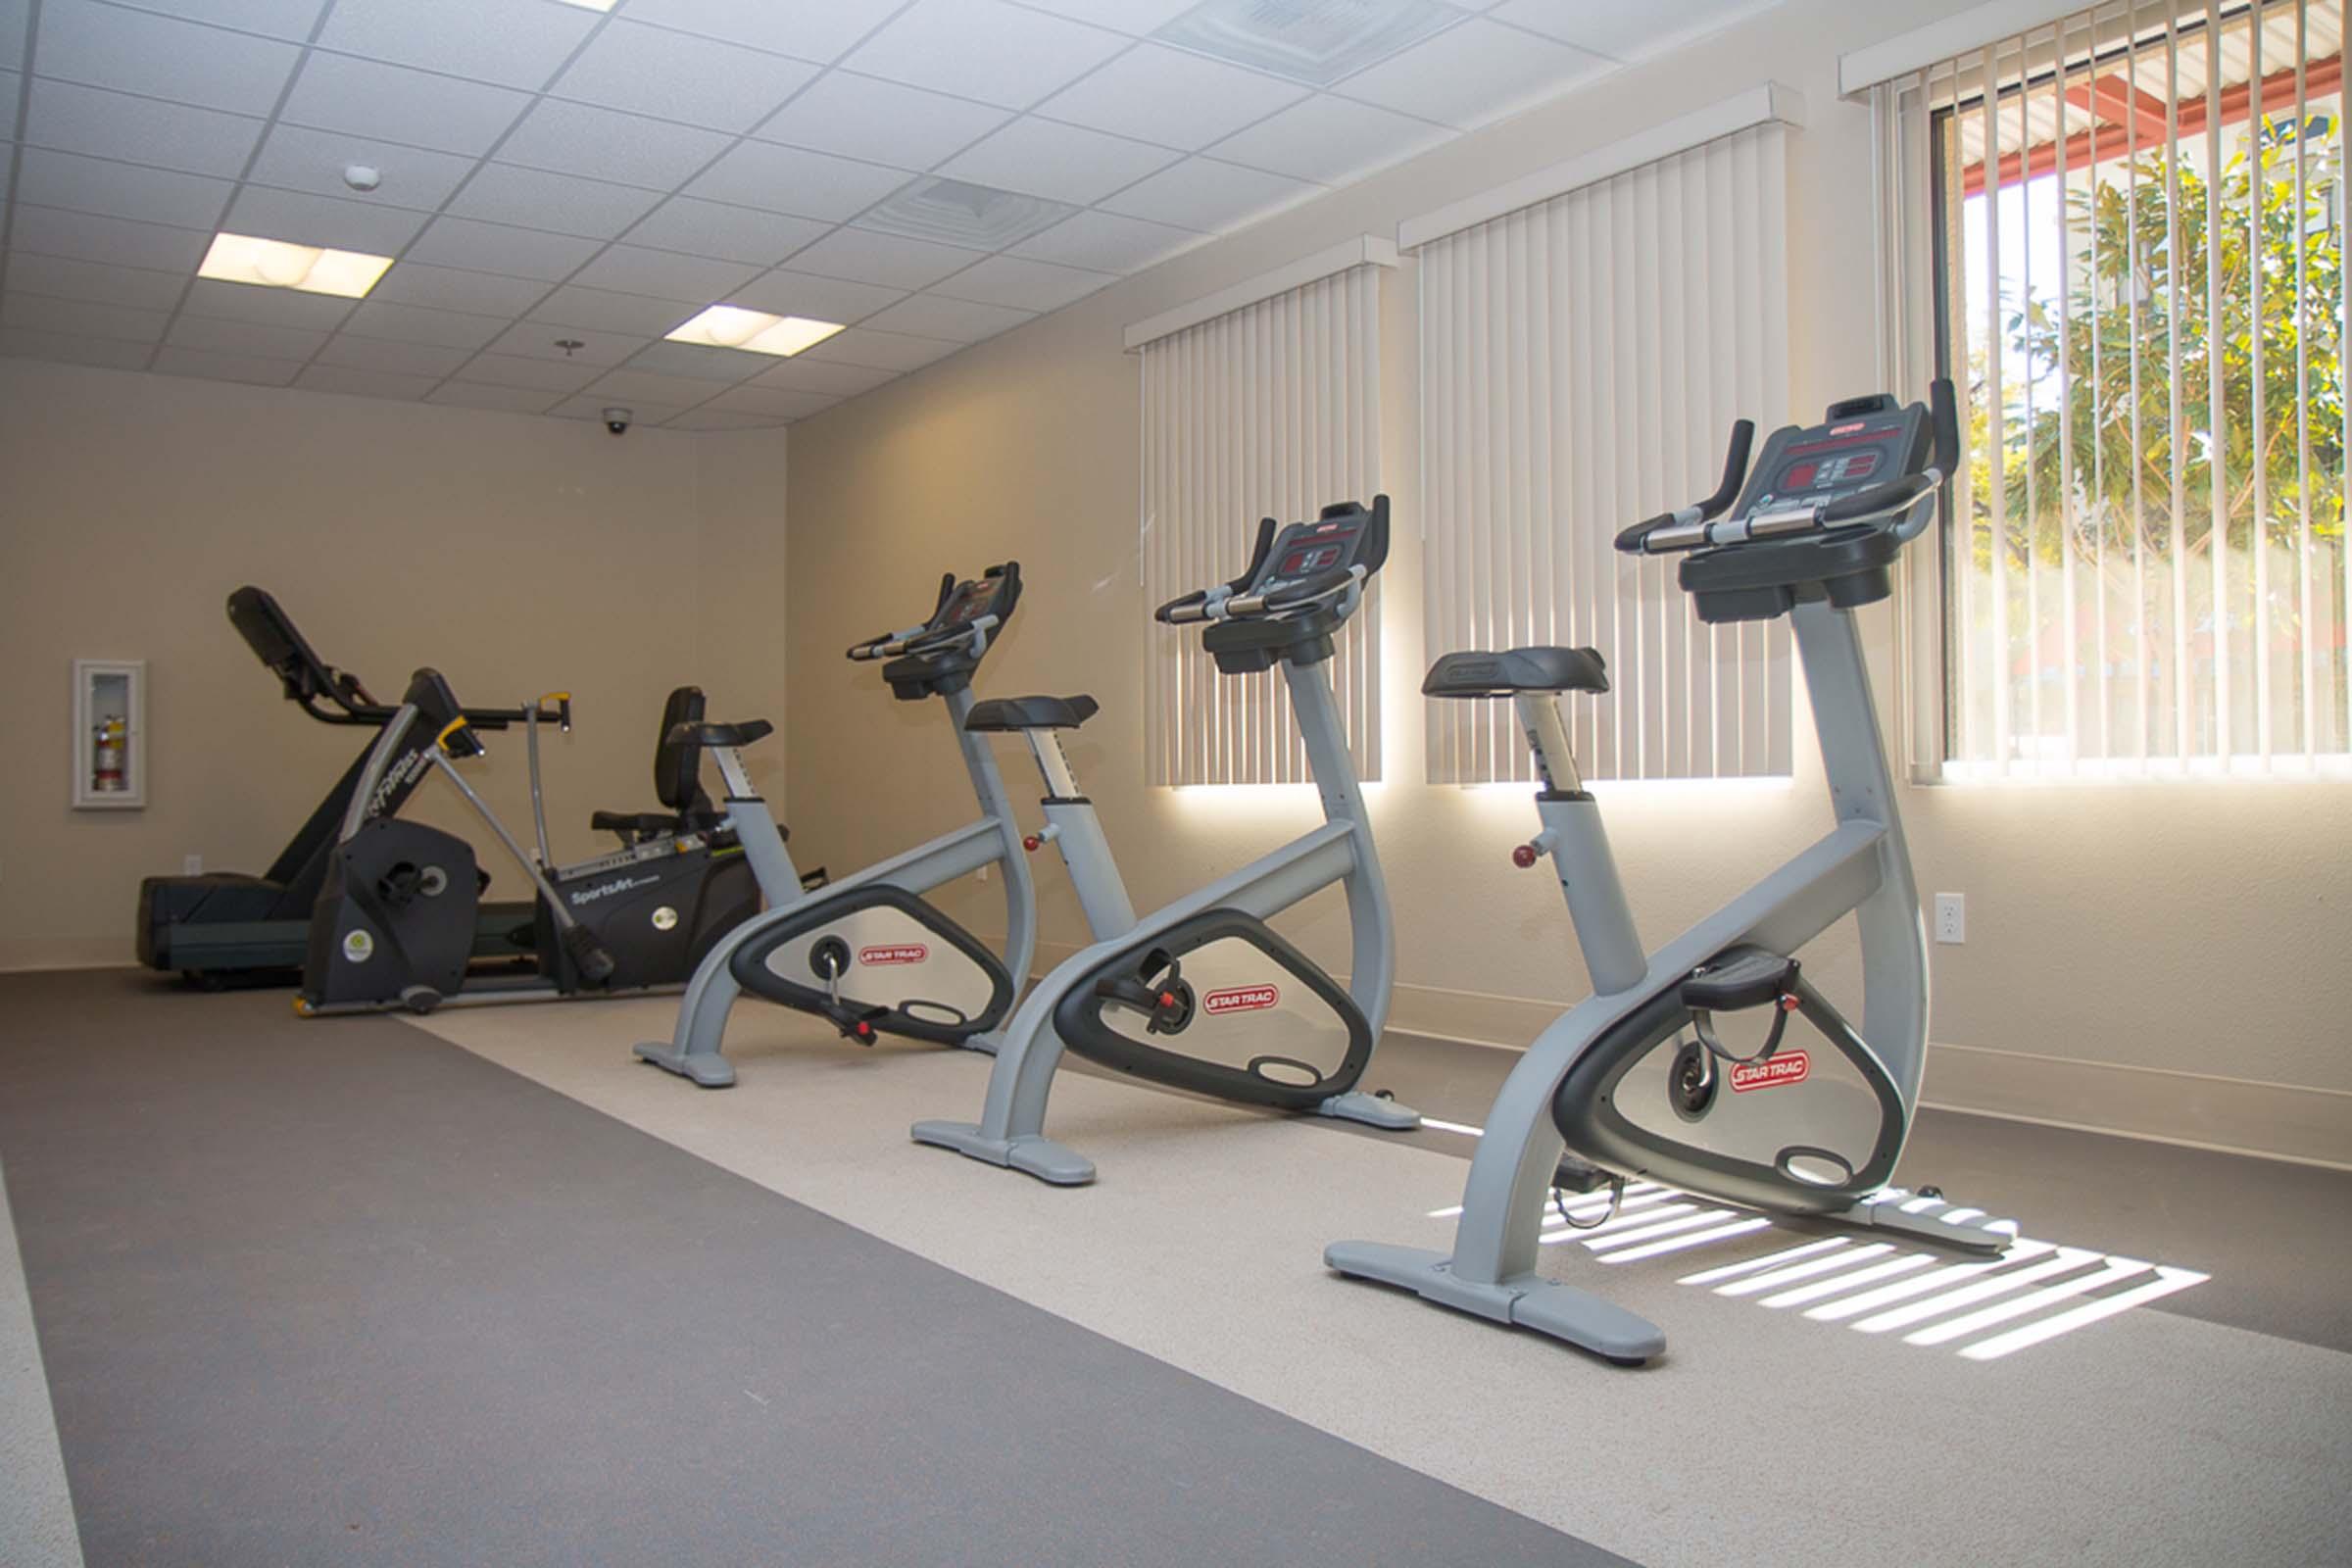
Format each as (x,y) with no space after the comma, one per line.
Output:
(1637,1081)
(394,920)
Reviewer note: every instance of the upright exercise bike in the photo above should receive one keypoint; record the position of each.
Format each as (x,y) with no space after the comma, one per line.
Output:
(1204,995)
(1636,1081)
(869,952)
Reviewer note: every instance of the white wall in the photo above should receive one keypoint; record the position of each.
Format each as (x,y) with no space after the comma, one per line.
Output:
(2120,937)
(517,555)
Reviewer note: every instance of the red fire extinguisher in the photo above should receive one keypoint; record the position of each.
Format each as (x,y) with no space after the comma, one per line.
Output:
(107,771)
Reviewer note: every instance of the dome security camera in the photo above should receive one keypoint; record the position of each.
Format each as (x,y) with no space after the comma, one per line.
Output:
(618,421)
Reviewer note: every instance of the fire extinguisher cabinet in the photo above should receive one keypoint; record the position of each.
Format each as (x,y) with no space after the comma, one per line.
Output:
(110,734)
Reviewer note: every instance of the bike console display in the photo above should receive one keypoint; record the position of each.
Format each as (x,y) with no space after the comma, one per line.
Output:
(1301,584)
(938,656)
(1822,515)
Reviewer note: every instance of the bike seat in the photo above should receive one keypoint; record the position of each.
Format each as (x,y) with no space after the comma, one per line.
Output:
(1521,669)
(999,714)
(646,824)
(707,734)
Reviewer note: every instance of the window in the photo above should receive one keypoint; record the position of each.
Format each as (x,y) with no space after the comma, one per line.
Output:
(1583,361)
(1272,409)
(2138,260)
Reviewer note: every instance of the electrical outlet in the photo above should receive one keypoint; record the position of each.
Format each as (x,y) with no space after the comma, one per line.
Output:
(191,866)
(1952,917)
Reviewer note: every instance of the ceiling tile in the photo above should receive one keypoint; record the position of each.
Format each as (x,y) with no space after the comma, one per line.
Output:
(1329,140)
(500,248)
(880,351)
(592,407)
(366,99)
(629,385)
(548,377)
(1067,162)
(244,337)
(1205,194)
(562,204)
(882,121)
(539,341)
(862,256)
(663,274)
(721,366)
(1626,32)
(930,316)
(120,191)
(1023,284)
(402,359)
(365,383)
(1137,16)
(162,57)
(296,158)
(984,49)
(813,29)
(709,419)
(13,17)
(802,373)
(269,307)
(104,353)
(414,324)
(774,402)
(733,233)
(606,144)
(9,83)
(515,43)
(632,314)
(1160,94)
(305,220)
(48,231)
(226,366)
(1472,73)
(498,398)
(83,318)
(1106,243)
(823,299)
(677,76)
(139,130)
(789,179)
(448,288)
(65,280)
(278,19)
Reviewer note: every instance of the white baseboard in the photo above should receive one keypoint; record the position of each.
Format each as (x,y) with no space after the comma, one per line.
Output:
(2197,1110)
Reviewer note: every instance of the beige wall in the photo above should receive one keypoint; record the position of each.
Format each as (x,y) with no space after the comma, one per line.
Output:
(2193,929)
(517,555)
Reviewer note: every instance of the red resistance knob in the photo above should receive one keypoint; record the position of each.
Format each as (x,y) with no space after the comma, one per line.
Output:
(1524,857)
(1032,843)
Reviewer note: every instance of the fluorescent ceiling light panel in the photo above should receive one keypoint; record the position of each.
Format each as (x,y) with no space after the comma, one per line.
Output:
(275,264)
(1318,42)
(728,327)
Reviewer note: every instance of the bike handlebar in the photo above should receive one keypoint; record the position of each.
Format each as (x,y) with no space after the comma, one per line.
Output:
(1735,475)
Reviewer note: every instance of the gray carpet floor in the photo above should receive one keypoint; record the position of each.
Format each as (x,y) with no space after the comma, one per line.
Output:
(342,1292)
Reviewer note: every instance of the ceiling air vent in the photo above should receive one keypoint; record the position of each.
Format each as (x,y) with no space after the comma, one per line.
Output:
(1314,41)
(954,213)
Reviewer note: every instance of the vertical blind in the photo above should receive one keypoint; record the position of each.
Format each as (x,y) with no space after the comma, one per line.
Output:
(2139,219)
(1583,361)
(1270,410)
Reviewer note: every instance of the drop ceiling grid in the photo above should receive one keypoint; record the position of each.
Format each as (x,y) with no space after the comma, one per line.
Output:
(1172,173)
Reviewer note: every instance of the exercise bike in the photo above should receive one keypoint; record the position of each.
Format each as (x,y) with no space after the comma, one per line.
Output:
(395,921)
(1637,1081)
(870,954)
(1204,995)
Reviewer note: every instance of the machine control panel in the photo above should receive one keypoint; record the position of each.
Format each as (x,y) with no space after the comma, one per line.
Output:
(1861,444)
(972,599)
(1307,549)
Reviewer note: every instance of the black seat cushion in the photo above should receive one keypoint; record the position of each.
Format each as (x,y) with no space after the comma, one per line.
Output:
(1521,669)
(1002,713)
(677,759)
(703,734)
